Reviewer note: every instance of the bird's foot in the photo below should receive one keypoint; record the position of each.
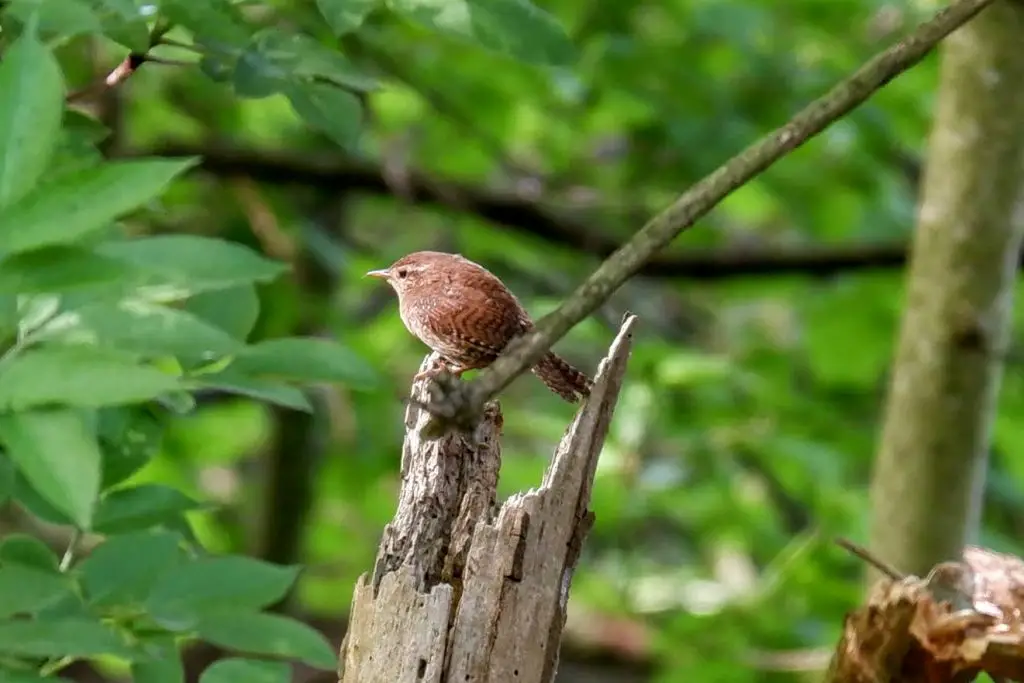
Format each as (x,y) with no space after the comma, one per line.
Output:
(455,371)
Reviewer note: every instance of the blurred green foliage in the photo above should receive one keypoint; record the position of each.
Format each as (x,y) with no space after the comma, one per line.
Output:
(745,432)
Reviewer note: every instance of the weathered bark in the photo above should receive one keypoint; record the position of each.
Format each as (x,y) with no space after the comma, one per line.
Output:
(460,593)
(963,619)
(927,487)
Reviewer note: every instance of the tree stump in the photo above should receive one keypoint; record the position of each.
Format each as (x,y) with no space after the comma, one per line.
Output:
(465,592)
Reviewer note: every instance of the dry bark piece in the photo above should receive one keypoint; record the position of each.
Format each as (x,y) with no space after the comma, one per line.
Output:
(963,619)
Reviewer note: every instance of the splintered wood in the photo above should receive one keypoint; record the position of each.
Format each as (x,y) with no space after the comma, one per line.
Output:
(963,619)
(462,592)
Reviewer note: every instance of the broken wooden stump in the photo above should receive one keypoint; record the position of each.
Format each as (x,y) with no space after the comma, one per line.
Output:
(463,591)
(964,618)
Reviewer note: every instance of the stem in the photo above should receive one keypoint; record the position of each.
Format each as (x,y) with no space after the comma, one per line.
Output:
(69,553)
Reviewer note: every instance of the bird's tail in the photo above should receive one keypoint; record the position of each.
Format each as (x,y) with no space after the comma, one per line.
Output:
(562,378)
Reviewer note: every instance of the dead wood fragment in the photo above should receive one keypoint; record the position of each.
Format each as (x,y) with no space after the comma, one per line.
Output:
(964,618)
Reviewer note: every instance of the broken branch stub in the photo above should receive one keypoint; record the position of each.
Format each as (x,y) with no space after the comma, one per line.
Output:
(462,592)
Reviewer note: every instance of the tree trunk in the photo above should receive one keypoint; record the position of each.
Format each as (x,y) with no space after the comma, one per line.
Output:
(929,476)
(458,593)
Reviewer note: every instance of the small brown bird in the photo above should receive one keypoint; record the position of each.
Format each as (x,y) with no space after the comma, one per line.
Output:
(463,311)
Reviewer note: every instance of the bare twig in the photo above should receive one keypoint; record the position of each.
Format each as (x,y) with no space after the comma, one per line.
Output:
(869,557)
(127,67)
(468,399)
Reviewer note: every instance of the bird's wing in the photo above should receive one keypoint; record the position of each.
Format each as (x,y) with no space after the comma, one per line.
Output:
(485,317)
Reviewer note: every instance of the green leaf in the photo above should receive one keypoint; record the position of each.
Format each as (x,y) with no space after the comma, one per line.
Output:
(516,28)
(78,375)
(166,669)
(60,638)
(28,551)
(122,21)
(304,359)
(140,507)
(85,127)
(261,72)
(262,390)
(249,670)
(8,477)
(123,569)
(322,63)
(26,495)
(57,18)
(57,452)
(268,634)
(345,16)
(8,676)
(216,20)
(32,84)
(77,204)
(234,310)
(329,109)
(26,590)
(60,269)
(192,263)
(129,437)
(276,58)
(218,583)
(8,316)
(151,329)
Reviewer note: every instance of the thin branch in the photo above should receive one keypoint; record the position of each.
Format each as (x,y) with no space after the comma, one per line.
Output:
(69,552)
(127,67)
(461,405)
(119,75)
(869,557)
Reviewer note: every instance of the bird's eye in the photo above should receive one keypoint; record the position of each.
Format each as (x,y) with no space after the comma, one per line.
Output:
(402,272)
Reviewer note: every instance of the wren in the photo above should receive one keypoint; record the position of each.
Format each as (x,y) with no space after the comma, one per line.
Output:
(466,314)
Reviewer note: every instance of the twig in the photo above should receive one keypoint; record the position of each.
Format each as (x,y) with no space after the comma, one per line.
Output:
(69,552)
(127,67)
(869,557)
(119,75)
(467,400)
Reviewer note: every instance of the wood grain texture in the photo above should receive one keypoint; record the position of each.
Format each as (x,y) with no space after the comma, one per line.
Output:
(462,593)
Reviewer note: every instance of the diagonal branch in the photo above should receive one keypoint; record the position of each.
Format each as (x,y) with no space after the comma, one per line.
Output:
(462,403)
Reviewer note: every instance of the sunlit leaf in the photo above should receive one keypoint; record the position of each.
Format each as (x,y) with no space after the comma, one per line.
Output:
(140,507)
(75,205)
(57,451)
(79,375)
(192,263)
(268,634)
(25,590)
(236,669)
(60,638)
(123,569)
(329,109)
(304,359)
(515,27)
(213,584)
(30,114)
(346,15)
(234,310)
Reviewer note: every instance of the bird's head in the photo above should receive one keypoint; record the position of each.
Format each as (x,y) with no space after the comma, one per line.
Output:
(416,269)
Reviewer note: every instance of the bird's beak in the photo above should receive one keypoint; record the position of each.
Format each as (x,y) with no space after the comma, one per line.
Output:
(382,274)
